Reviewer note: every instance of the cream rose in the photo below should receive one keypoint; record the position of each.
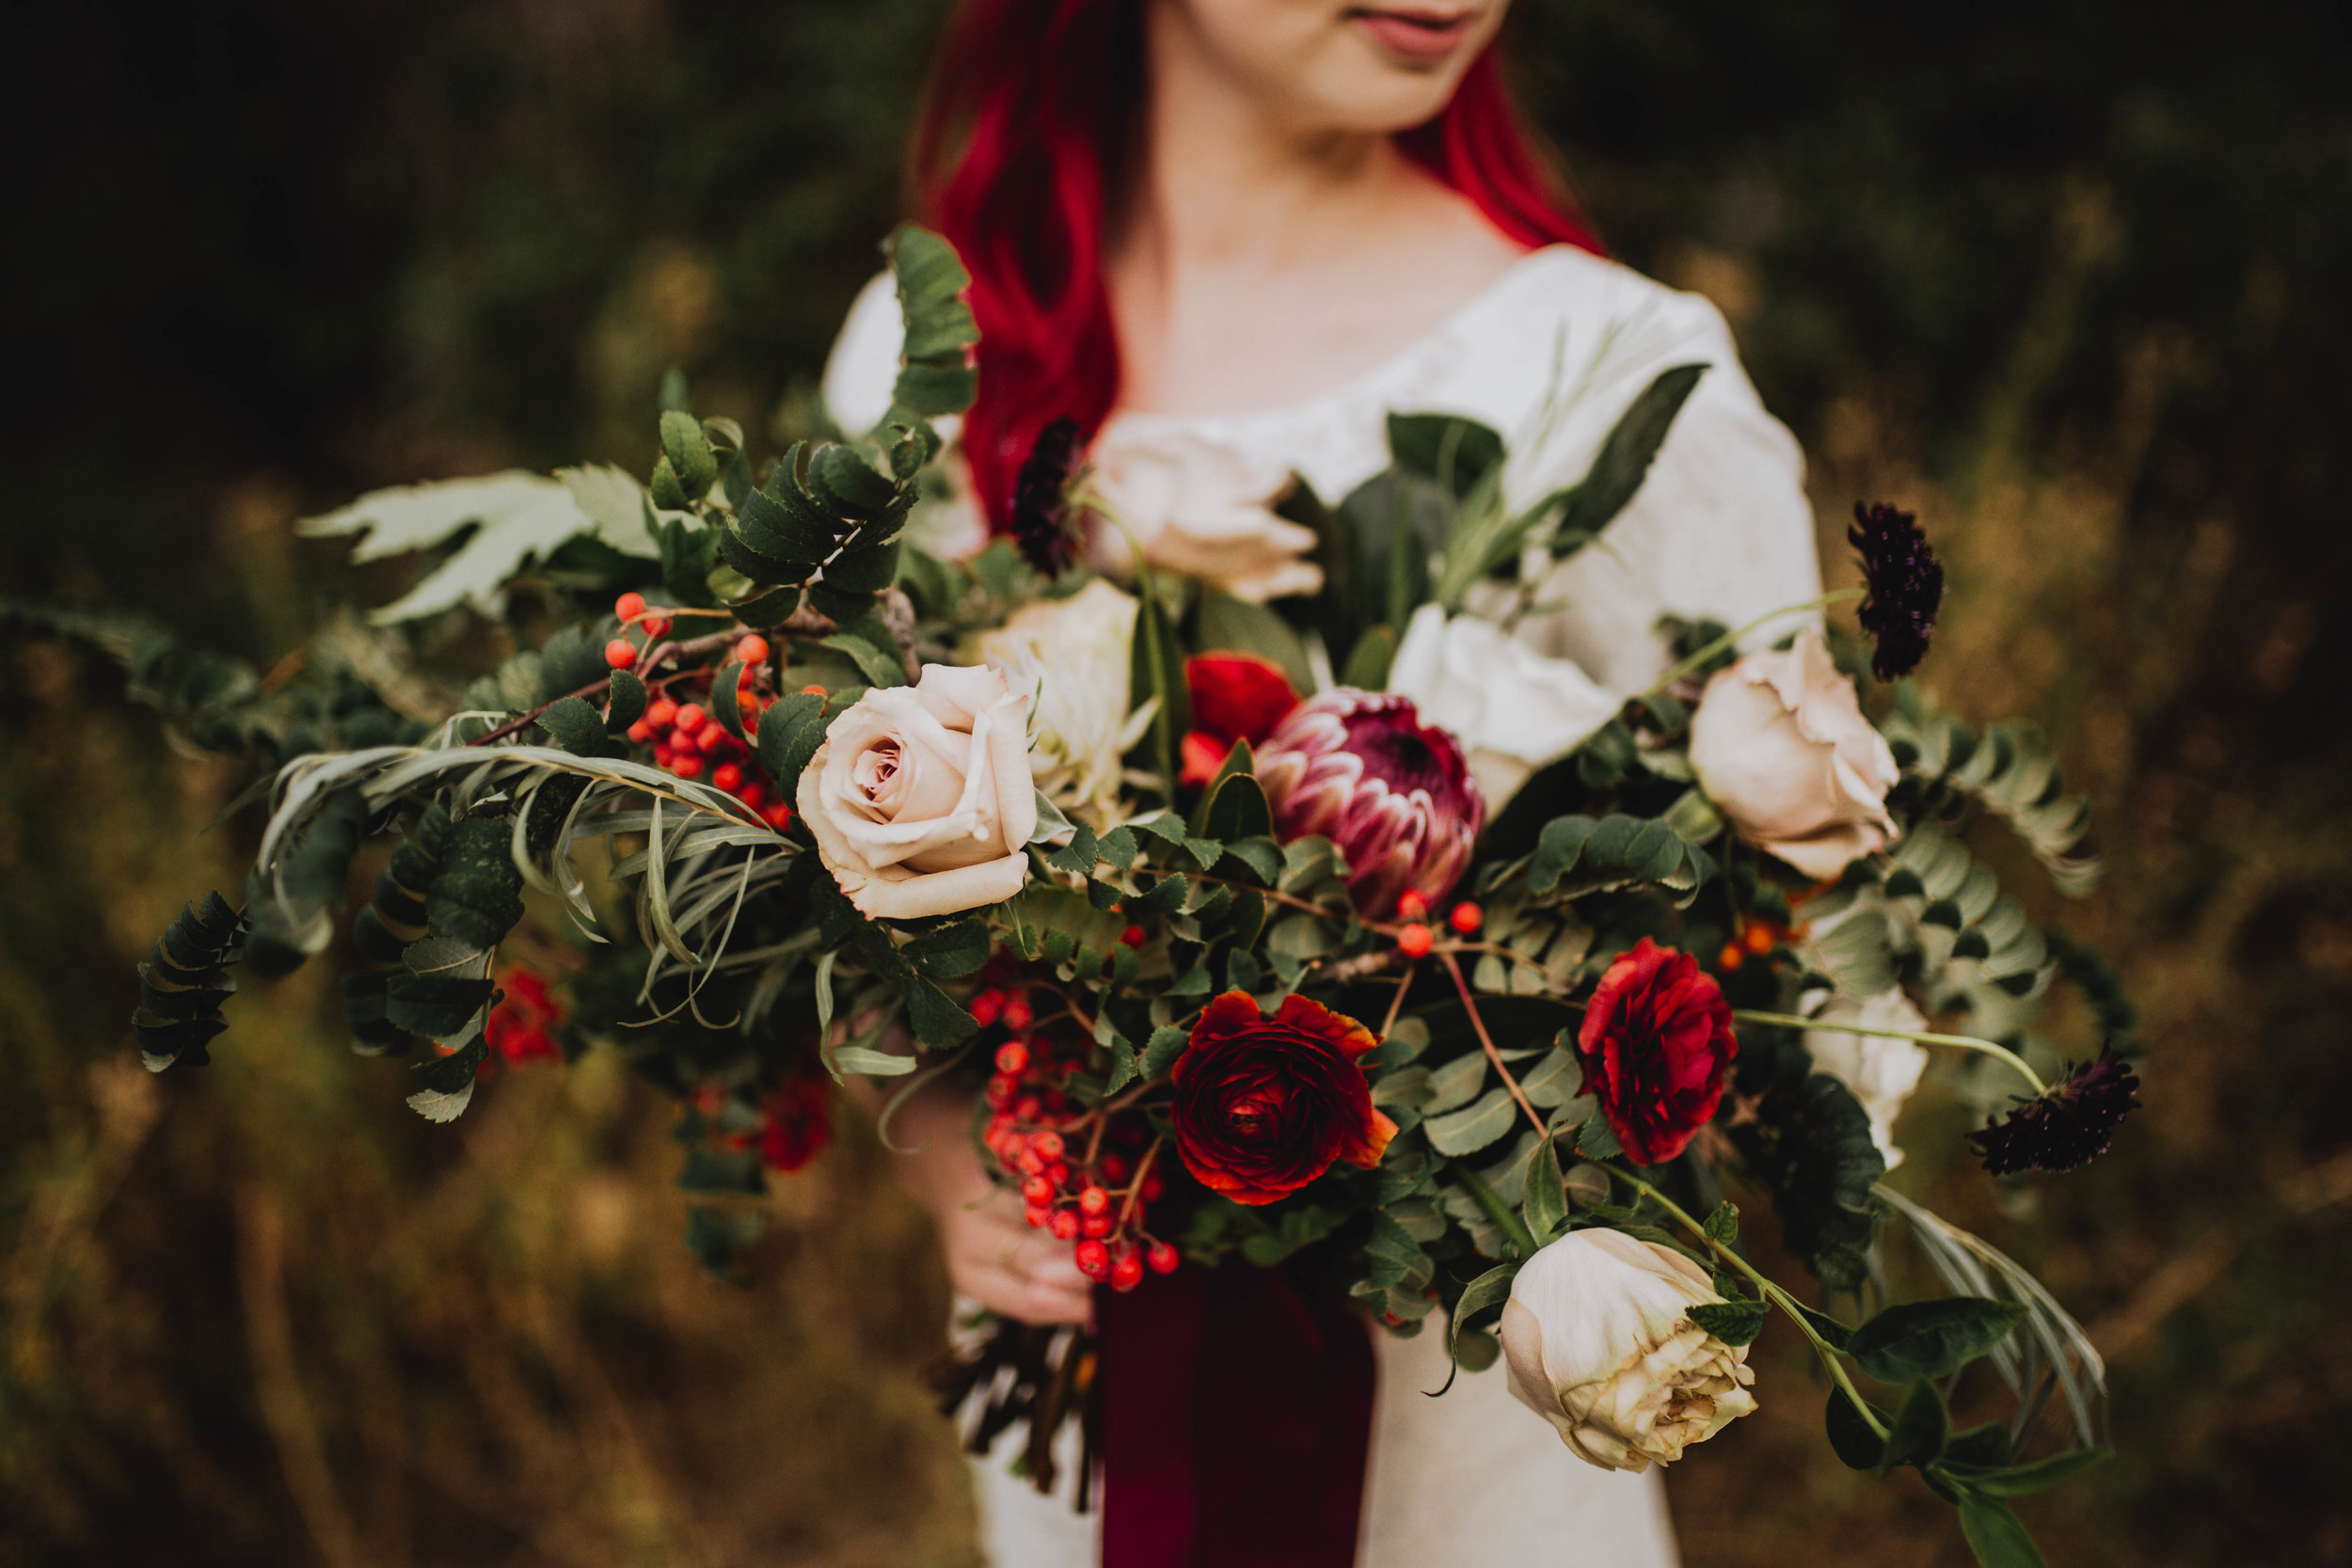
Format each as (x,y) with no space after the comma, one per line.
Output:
(1598,1340)
(920,797)
(1881,1072)
(1199,508)
(1781,747)
(1073,655)
(1514,709)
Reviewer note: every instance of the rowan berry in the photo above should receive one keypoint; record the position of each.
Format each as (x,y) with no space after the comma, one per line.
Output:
(712,737)
(688,766)
(1030,1162)
(1048,1145)
(641,732)
(1094,1200)
(688,719)
(620,654)
(778,816)
(1038,1190)
(1131,937)
(661,713)
(655,625)
(1012,1056)
(1096,1224)
(1412,905)
(813,691)
(1467,917)
(1093,1259)
(1127,1272)
(1162,1257)
(726,776)
(1153,1187)
(754,793)
(1760,937)
(629,606)
(1028,1108)
(752,650)
(1017,1014)
(1038,1218)
(1114,1168)
(1413,941)
(986,1006)
(1731,958)
(1066,1225)
(1058,1174)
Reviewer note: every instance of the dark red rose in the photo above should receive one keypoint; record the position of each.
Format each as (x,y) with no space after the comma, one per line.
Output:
(1234,697)
(798,1123)
(1655,1045)
(1264,1105)
(518,1028)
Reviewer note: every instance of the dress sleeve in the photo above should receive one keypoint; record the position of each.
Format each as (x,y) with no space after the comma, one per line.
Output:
(1721,527)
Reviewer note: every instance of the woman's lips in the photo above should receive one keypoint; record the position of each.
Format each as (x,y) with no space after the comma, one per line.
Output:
(1416,35)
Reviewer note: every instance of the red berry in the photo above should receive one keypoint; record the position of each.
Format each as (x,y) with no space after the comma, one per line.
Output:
(1038,1190)
(655,625)
(1412,905)
(1028,1108)
(1131,937)
(1060,1173)
(1114,1168)
(1467,917)
(752,650)
(1030,1162)
(661,713)
(778,816)
(986,1006)
(688,766)
(1094,1200)
(621,654)
(1413,941)
(1048,1145)
(1162,1257)
(663,756)
(1017,1014)
(1066,1225)
(641,732)
(1096,1224)
(1038,1218)
(754,793)
(713,738)
(688,719)
(1731,958)
(1761,939)
(1127,1272)
(629,606)
(1093,1259)
(813,692)
(1012,1056)
(1153,1187)
(726,776)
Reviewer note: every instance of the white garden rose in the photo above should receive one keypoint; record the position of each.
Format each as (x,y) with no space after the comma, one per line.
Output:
(1598,1340)
(1512,708)
(1201,508)
(920,797)
(1781,747)
(1073,654)
(1881,1072)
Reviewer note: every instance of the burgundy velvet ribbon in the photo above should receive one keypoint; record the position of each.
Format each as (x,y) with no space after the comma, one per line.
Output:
(1237,1415)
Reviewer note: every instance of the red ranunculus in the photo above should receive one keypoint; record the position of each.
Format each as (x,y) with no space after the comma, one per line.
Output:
(798,1123)
(518,1028)
(1234,697)
(1264,1105)
(1655,1045)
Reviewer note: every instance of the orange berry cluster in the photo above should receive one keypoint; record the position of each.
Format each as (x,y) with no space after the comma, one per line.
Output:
(1072,1186)
(1414,938)
(1757,938)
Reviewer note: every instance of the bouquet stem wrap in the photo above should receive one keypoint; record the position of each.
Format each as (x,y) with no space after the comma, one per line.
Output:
(1236,1417)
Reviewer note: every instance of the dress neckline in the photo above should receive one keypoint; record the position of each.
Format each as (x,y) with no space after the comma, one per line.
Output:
(1137,422)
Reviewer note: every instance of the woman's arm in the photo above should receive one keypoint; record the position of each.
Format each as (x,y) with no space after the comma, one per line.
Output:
(993,1255)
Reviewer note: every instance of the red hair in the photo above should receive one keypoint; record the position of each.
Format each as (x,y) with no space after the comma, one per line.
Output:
(1027,124)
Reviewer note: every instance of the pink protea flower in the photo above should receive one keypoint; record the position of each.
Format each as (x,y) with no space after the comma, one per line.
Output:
(1362,770)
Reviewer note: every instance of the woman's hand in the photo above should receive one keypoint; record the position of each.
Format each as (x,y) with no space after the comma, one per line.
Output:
(993,1255)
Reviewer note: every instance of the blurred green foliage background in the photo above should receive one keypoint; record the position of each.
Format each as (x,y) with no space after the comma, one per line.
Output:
(2069,277)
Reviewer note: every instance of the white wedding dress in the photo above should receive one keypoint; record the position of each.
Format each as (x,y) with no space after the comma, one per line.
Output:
(1549,355)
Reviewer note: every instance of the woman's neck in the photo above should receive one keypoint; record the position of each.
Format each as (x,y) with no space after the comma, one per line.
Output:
(1254,264)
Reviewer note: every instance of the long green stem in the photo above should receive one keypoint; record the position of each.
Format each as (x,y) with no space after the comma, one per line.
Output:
(1772,1293)
(1498,1211)
(1959,1042)
(1731,639)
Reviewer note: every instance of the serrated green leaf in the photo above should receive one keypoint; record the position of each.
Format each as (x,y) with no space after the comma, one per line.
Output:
(1932,1338)
(1735,1322)
(1467,1132)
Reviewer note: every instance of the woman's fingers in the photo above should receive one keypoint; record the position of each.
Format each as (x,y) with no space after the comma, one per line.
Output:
(1009,1268)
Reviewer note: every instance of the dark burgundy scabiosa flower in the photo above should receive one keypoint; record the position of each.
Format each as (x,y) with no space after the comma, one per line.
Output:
(1362,770)
(1264,1105)
(1041,499)
(1906,586)
(1655,1044)
(2065,1128)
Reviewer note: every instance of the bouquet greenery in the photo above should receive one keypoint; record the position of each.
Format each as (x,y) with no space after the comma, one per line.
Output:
(1252,961)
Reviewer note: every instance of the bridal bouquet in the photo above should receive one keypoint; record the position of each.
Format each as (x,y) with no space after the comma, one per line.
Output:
(1281,907)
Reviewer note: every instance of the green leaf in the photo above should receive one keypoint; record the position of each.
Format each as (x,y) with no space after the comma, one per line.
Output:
(1932,1338)
(1455,452)
(1722,1225)
(1837,1336)
(935,378)
(1555,1080)
(1237,807)
(1735,1322)
(2023,1481)
(575,726)
(1625,456)
(1156,669)
(1227,625)
(879,668)
(1850,1436)
(1160,1052)
(1368,661)
(1919,1429)
(1546,1203)
(937,1020)
(1125,1066)
(1468,1130)
(449,1082)
(950,952)
(790,734)
(873,1064)
(625,702)
(1995,1534)
(1986,1447)
(1597,1140)
(1490,1288)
